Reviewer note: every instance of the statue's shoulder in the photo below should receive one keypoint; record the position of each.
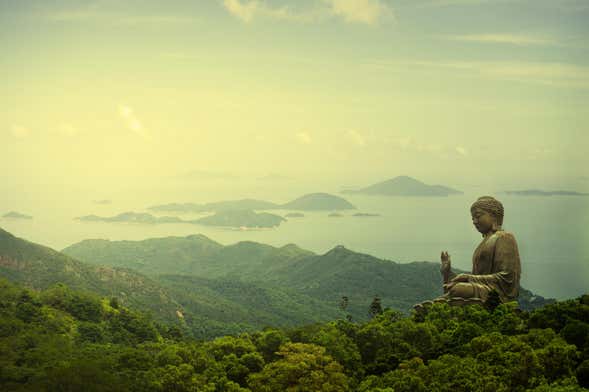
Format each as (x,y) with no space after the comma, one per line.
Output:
(505,236)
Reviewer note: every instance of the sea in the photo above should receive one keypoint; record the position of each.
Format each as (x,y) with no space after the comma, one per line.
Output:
(552,231)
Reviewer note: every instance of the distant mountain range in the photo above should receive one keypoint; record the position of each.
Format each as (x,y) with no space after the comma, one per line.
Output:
(309,202)
(404,186)
(328,277)
(537,192)
(220,289)
(16,215)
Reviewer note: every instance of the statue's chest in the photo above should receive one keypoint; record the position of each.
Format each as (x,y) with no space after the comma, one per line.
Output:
(482,259)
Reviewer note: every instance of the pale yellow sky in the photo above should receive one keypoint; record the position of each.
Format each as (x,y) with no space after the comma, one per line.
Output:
(336,91)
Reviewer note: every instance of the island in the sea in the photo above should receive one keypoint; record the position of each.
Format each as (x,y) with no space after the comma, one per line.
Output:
(404,186)
(538,192)
(16,215)
(365,214)
(131,217)
(319,202)
(309,202)
(241,218)
(103,202)
(237,218)
(335,215)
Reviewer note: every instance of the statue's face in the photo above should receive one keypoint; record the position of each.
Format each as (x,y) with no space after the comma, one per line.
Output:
(482,220)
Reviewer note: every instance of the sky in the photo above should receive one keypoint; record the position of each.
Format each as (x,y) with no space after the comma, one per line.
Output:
(343,91)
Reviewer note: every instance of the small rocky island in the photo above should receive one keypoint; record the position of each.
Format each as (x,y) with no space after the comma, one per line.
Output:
(16,215)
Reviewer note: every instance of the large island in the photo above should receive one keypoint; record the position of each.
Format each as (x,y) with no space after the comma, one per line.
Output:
(404,186)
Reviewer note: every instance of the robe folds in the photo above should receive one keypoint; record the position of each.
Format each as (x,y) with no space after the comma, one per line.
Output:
(496,266)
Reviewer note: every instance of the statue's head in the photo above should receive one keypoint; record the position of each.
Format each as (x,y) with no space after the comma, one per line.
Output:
(487,214)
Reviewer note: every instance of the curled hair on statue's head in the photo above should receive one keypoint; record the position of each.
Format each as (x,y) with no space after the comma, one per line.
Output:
(491,205)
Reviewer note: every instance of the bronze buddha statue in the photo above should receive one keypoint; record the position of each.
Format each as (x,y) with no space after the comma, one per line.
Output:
(495,262)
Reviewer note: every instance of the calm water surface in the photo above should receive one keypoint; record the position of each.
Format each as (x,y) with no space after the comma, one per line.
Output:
(552,232)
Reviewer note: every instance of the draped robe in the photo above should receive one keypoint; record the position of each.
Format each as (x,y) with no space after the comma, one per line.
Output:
(496,266)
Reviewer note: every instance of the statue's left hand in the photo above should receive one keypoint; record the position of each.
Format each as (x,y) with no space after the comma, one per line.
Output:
(457,279)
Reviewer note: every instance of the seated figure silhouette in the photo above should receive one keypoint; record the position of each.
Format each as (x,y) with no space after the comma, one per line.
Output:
(495,262)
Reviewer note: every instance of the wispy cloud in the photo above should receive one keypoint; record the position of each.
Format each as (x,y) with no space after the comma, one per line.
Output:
(132,122)
(304,138)
(461,150)
(355,11)
(355,138)
(67,129)
(546,73)
(360,11)
(19,131)
(512,39)
(248,10)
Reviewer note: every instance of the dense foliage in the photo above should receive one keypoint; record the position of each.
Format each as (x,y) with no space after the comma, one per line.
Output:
(66,340)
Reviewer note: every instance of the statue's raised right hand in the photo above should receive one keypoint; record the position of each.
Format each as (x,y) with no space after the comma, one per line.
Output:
(446,262)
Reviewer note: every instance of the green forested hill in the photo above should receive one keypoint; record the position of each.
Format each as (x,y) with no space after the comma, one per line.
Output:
(214,290)
(327,278)
(40,267)
(205,307)
(152,256)
(66,340)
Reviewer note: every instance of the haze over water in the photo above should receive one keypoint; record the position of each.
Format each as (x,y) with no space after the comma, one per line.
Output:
(551,231)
